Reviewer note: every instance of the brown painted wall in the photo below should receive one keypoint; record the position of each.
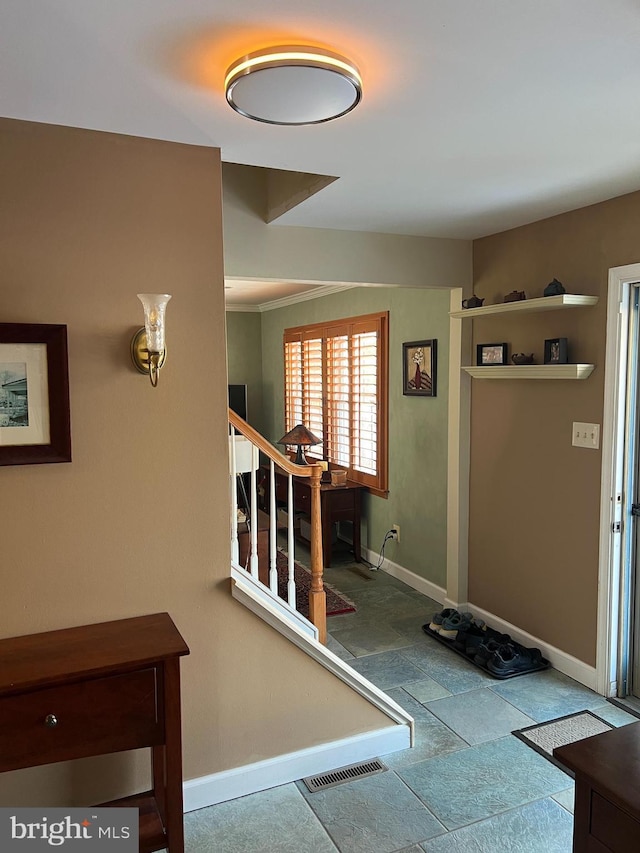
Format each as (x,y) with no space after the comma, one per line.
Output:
(534,499)
(138,522)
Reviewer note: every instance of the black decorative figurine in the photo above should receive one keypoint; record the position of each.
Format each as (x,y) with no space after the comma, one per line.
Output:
(554,288)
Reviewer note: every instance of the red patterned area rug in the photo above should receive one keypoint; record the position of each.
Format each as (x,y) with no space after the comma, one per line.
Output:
(337,603)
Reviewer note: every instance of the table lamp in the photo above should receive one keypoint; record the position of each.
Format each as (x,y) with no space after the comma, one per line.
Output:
(301,437)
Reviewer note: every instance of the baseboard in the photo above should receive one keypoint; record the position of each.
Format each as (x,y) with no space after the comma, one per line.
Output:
(251,778)
(462,606)
(413,580)
(562,661)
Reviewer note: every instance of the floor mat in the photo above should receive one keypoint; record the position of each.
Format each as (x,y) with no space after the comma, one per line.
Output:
(545,737)
(542,665)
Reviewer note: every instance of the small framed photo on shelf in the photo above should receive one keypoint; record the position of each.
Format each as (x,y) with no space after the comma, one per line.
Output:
(491,354)
(555,351)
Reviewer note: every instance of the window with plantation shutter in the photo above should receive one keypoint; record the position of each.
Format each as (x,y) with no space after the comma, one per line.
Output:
(336,384)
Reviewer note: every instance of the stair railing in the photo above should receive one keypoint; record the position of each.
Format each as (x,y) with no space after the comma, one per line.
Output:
(245,445)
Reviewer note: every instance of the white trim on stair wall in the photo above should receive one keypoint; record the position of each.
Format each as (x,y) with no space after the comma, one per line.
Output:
(269,607)
(240,781)
(243,590)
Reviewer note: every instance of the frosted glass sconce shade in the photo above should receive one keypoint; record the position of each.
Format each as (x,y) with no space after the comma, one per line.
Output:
(154,305)
(148,349)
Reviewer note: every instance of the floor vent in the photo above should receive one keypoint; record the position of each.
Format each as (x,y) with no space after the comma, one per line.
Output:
(344,774)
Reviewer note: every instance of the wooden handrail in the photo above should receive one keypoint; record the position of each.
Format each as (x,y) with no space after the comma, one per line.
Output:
(269,450)
(317,596)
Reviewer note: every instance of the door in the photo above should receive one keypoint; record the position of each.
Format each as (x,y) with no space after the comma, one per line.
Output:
(631,591)
(628,637)
(627,497)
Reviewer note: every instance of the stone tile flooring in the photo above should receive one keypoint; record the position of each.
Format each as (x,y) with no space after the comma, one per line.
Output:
(467,786)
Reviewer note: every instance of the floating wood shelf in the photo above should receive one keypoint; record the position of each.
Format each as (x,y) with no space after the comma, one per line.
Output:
(524,306)
(531,371)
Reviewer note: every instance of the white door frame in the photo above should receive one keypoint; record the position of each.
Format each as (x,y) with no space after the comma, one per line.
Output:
(612,479)
(457,591)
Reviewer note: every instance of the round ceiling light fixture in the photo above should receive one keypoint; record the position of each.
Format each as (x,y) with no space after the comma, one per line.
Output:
(293,85)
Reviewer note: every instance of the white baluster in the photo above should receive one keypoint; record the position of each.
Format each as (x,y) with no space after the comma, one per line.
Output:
(291,586)
(273,530)
(254,512)
(235,551)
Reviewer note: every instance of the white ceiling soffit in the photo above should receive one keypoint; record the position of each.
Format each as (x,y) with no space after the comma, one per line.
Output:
(475,117)
(254,295)
(285,190)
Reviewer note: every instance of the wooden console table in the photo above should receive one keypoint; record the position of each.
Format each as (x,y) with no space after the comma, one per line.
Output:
(607,807)
(337,503)
(98,689)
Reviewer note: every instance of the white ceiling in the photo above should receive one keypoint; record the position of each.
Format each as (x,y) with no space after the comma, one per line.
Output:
(477,115)
(257,295)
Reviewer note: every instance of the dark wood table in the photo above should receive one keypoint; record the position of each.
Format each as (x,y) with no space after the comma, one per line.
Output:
(607,807)
(337,503)
(98,689)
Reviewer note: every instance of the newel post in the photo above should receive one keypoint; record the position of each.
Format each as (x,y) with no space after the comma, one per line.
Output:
(317,597)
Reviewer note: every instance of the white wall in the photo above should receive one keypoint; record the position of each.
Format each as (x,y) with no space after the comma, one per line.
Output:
(253,249)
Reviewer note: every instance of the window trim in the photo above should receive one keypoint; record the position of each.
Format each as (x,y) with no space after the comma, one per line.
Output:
(377,484)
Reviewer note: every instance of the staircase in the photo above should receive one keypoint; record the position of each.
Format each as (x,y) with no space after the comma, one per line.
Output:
(245,447)
(309,635)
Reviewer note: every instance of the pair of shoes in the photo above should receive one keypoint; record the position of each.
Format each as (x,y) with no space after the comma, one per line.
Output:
(469,640)
(438,618)
(459,622)
(489,647)
(513,659)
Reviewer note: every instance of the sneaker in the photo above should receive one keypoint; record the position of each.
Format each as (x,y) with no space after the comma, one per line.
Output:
(470,639)
(488,648)
(458,622)
(513,659)
(438,619)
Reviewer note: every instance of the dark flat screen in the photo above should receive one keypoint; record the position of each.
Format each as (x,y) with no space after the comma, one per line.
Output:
(238,400)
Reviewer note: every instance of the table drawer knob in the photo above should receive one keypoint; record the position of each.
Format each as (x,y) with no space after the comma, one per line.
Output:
(51,721)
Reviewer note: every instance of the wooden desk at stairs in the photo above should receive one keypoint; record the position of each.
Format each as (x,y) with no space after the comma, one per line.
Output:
(607,807)
(338,503)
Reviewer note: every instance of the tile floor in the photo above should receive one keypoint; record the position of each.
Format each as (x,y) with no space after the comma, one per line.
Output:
(468,785)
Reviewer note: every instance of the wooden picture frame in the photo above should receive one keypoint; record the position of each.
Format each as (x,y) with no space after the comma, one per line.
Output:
(419,368)
(35,424)
(491,354)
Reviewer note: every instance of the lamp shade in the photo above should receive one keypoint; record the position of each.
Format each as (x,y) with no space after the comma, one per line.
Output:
(300,435)
(245,460)
(154,305)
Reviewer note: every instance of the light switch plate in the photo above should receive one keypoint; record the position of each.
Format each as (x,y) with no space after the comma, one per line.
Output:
(586,435)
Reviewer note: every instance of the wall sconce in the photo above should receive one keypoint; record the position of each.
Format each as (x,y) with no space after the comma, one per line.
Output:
(148,351)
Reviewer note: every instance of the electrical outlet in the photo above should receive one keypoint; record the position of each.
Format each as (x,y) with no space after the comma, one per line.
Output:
(395,528)
(586,435)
